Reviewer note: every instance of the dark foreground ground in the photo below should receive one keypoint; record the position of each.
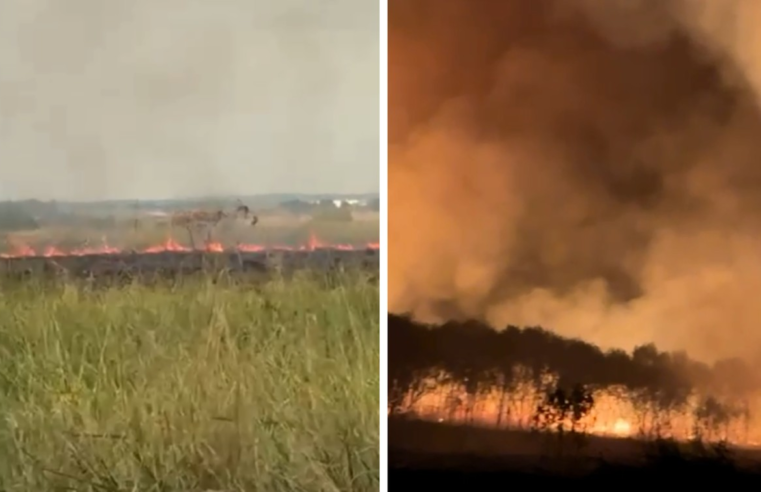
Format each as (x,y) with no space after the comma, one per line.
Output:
(181,263)
(426,454)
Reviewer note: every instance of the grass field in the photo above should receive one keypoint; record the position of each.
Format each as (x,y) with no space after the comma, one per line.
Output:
(190,386)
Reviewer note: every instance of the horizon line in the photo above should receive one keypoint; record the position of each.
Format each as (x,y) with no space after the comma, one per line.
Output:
(191,197)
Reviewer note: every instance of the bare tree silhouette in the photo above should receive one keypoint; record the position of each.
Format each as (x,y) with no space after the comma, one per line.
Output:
(208,220)
(474,360)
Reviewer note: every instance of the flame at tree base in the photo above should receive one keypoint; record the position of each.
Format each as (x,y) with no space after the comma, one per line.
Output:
(615,413)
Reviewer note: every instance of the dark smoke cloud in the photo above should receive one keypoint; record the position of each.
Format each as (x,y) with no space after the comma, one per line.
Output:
(590,165)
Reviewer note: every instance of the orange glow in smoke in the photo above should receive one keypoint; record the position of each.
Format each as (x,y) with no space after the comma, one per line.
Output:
(23,250)
(622,427)
(608,417)
(611,415)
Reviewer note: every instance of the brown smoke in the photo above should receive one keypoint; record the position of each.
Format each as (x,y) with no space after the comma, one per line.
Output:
(593,166)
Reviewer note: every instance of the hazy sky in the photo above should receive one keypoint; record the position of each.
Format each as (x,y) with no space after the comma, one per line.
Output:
(169,98)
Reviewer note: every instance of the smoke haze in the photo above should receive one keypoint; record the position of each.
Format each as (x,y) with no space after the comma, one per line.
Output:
(148,99)
(593,166)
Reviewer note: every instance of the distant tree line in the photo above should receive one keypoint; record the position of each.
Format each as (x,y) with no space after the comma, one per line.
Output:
(32,214)
(478,359)
(323,210)
(16,217)
(25,215)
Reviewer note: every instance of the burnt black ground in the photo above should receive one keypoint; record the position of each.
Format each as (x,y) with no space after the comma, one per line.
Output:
(421,455)
(417,479)
(180,263)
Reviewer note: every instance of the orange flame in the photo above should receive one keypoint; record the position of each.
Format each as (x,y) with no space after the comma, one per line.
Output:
(170,245)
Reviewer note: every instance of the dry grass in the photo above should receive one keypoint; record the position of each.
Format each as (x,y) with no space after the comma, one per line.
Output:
(190,386)
(150,233)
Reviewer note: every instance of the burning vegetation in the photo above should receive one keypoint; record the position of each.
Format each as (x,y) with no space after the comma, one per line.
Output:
(533,379)
(171,245)
(590,166)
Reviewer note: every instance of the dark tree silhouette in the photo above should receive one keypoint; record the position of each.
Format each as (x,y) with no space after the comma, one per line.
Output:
(478,359)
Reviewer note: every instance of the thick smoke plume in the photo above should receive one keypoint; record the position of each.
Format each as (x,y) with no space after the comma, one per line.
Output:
(593,166)
(174,98)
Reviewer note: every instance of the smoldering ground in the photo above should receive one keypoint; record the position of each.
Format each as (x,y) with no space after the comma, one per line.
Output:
(593,166)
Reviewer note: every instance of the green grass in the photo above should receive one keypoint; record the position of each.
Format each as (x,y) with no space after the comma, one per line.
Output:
(190,386)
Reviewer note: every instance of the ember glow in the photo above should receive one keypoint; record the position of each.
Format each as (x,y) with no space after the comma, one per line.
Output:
(614,415)
(171,245)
